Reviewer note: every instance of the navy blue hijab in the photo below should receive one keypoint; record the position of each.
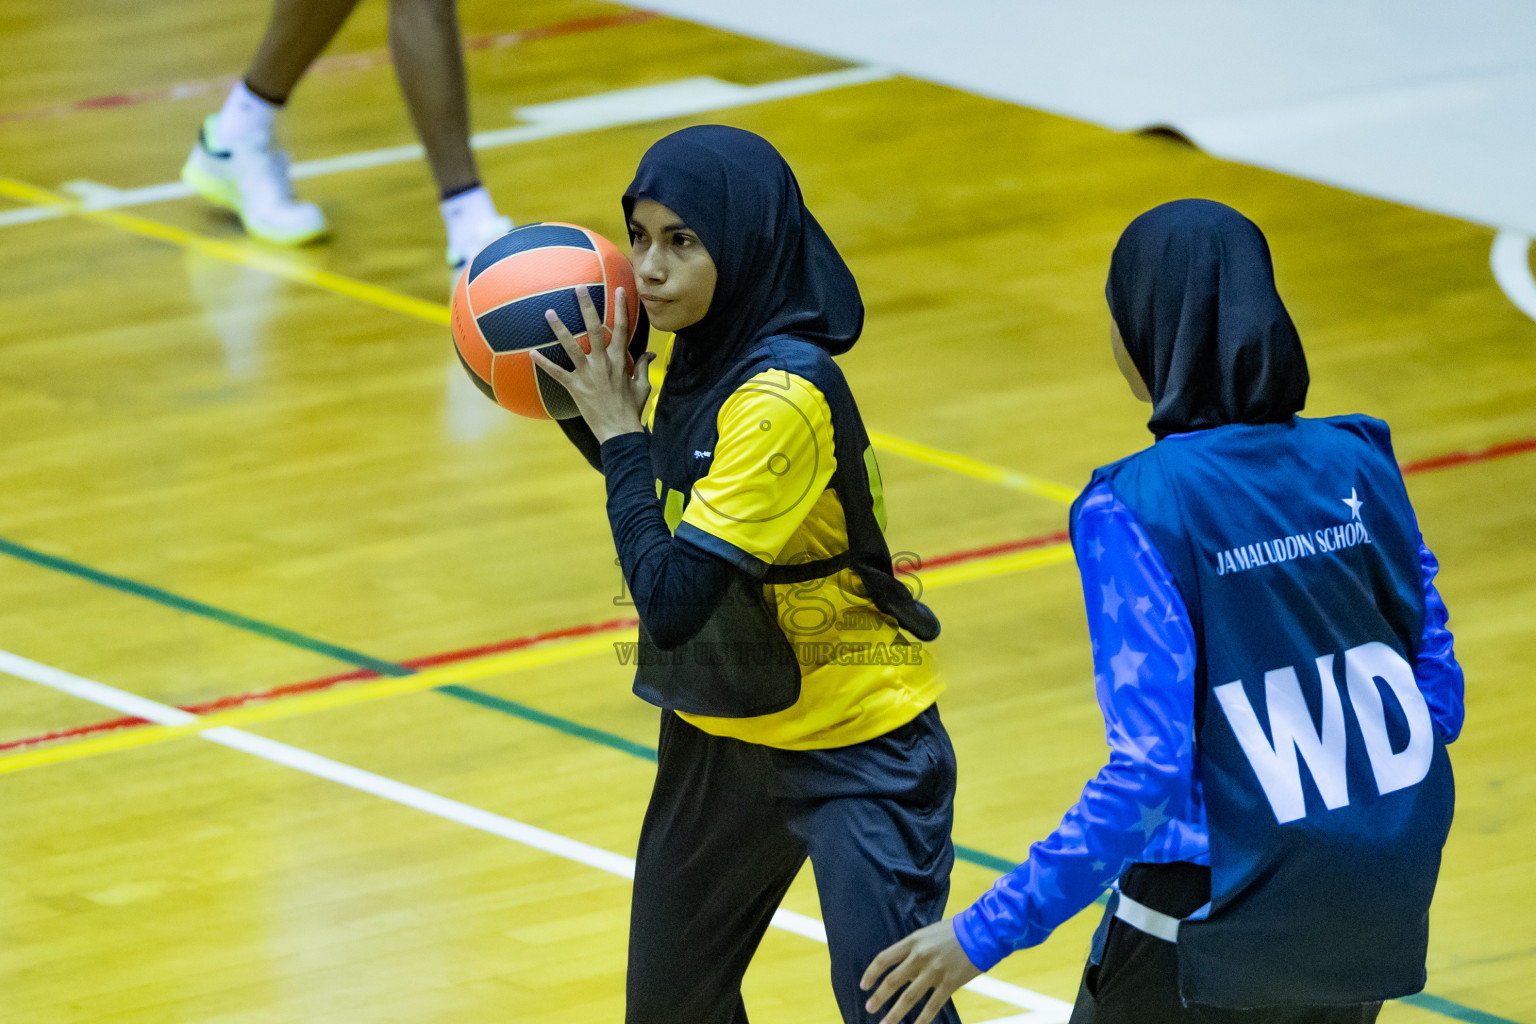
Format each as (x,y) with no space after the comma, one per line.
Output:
(1192,289)
(777,272)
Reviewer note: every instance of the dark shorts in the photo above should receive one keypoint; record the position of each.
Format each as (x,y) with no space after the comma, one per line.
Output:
(1136,977)
(729,826)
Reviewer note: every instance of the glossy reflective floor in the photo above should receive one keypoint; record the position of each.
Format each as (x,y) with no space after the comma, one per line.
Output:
(231,469)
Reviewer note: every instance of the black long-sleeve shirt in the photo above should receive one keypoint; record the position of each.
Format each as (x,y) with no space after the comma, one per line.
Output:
(675,585)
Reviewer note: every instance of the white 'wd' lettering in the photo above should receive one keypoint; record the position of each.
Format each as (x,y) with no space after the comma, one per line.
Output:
(1290,725)
(1363,665)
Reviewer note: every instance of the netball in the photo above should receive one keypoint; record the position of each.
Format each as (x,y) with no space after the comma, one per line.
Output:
(499,304)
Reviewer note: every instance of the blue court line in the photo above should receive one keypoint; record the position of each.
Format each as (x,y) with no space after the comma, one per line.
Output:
(1423,1000)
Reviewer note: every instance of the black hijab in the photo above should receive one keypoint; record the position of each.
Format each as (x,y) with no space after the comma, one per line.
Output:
(777,272)
(1192,289)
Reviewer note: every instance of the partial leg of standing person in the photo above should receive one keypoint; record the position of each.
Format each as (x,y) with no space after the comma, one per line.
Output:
(296,34)
(876,818)
(429,63)
(238,164)
(1132,977)
(715,859)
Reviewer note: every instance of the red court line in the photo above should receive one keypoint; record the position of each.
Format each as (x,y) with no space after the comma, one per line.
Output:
(339,62)
(1006,548)
(325,683)
(1498,451)
(1446,461)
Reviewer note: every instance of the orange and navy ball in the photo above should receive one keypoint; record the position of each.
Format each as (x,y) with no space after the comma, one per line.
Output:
(499,303)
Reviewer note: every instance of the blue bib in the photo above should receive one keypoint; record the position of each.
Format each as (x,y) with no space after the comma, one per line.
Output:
(1328,794)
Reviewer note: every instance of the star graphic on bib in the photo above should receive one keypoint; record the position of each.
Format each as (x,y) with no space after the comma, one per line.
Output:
(1354,504)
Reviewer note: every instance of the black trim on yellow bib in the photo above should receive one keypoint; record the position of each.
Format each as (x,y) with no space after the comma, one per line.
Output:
(741,664)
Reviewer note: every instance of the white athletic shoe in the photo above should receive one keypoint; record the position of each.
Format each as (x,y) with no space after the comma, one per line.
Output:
(469,247)
(251,179)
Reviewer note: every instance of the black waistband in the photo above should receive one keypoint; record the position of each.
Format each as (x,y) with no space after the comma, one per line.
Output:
(1177,889)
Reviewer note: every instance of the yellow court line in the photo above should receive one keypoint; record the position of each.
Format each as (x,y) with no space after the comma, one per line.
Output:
(479,668)
(249,255)
(968,466)
(100,745)
(246,255)
(1002,565)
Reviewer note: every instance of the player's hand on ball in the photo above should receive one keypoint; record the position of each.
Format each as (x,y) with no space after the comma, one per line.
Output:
(930,958)
(608,394)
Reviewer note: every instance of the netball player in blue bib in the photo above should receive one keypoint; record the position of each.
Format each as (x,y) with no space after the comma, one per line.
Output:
(1277,682)
(797,700)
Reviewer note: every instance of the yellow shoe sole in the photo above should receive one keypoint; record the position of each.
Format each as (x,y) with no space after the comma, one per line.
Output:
(222,193)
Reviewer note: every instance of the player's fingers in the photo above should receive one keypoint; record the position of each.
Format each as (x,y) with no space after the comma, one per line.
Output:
(908,1000)
(560,373)
(935,1004)
(594,323)
(621,316)
(563,336)
(641,381)
(886,958)
(899,976)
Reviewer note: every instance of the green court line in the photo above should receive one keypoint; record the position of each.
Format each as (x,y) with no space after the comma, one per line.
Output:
(207,611)
(1423,1000)
(970,855)
(1437,1004)
(385,668)
(983,859)
(565,725)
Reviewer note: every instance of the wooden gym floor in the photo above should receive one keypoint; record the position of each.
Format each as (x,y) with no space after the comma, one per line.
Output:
(230,470)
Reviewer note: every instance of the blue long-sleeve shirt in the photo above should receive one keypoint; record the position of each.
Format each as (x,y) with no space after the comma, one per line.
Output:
(1145,804)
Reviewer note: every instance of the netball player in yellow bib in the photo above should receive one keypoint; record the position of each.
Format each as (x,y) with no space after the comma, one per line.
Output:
(788,661)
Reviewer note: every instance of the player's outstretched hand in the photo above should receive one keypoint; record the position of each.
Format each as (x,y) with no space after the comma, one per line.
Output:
(609,396)
(930,958)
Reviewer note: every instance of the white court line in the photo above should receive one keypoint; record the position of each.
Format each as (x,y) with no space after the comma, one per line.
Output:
(1512,269)
(683,98)
(1043,1009)
(28,214)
